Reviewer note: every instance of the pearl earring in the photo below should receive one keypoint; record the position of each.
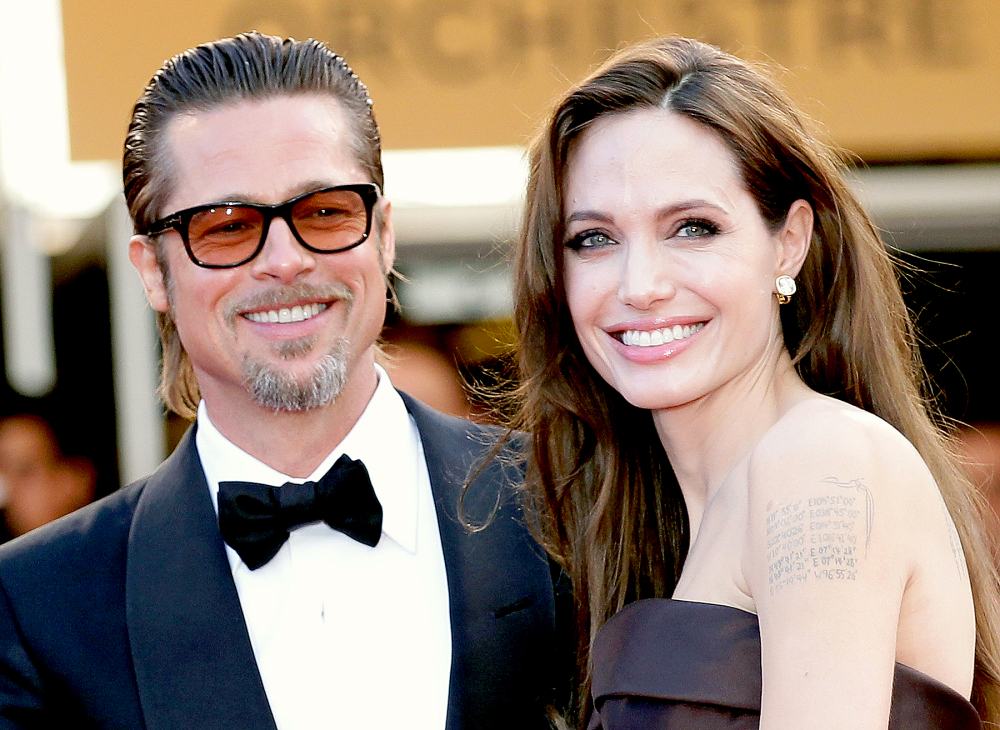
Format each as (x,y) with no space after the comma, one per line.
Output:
(785,286)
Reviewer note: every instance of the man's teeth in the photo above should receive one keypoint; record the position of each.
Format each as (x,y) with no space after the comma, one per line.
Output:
(287,314)
(652,338)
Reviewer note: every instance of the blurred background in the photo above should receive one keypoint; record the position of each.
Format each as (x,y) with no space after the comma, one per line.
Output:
(909,87)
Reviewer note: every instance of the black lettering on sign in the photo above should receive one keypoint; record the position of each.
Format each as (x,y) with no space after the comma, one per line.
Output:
(361,32)
(461,42)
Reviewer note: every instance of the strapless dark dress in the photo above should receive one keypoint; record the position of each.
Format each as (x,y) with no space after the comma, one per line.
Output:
(663,664)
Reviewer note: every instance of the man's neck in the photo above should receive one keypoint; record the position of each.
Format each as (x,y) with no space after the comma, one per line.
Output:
(292,442)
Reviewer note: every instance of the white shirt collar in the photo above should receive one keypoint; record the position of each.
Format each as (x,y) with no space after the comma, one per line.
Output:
(384,438)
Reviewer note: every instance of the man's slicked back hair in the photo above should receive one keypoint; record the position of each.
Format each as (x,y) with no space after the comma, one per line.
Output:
(247,66)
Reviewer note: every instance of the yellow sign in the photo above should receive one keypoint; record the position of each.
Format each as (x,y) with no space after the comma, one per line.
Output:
(889,79)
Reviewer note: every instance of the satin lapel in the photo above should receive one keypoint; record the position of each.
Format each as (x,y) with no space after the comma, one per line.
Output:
(486,572)
(444,456)
(193,661)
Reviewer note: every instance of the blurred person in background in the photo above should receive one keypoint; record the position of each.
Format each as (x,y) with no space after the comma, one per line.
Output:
(421,367)
(298,561)
(719,372)
(979,446)
(428,374)
(37,482)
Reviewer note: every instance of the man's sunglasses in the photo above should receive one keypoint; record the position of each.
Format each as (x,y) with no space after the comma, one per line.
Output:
(227,234)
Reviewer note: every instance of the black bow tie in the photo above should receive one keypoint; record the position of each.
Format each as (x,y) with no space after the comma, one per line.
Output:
(255,519)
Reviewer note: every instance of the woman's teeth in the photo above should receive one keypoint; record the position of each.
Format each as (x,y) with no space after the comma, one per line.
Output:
(652,338)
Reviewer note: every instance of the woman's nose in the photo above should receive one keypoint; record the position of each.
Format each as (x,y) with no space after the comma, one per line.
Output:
(645,277)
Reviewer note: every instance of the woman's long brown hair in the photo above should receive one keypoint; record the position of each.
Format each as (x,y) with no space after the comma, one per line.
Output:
(607,504)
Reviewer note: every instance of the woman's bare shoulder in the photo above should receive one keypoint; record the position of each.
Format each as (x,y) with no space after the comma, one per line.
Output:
(837,466)
(852,484)
(824,435)
(846,520)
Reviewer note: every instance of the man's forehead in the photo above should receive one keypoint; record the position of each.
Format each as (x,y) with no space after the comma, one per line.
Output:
(303,113)
(264,150)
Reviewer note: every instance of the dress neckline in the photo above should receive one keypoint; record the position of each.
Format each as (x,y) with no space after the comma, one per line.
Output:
(709,653)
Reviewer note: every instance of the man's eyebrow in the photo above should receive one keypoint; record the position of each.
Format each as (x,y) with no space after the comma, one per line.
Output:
(665,212)
(293,192)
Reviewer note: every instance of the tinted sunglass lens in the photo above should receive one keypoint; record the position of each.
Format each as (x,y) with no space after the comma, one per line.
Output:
(225,235)
(331,220)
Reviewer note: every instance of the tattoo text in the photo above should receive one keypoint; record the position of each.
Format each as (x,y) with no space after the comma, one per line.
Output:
(819,538)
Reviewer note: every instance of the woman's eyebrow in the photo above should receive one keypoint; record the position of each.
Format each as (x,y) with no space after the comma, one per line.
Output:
(665,212)
(589,215)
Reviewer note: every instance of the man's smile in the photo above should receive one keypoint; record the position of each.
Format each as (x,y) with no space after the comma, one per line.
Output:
(298,313)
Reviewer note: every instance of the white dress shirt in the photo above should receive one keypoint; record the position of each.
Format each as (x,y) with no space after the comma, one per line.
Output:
(348,636)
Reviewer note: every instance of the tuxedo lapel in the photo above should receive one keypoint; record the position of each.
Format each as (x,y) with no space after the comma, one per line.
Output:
(443,454)
(498,580)
(193,660)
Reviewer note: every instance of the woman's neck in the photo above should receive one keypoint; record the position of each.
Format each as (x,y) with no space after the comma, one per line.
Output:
(706,438)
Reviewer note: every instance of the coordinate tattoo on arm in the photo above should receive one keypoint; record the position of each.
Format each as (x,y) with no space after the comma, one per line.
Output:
(819,538)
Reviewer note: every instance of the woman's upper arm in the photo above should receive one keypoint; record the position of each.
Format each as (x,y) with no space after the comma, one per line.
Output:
(827,564)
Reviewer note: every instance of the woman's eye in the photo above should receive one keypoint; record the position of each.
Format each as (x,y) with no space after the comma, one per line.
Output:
(697,229)
(589,240)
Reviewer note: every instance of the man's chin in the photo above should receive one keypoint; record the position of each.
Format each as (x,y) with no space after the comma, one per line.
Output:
(280,388)
(294,351)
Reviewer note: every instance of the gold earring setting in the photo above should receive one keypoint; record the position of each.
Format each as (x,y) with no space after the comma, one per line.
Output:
(785,288)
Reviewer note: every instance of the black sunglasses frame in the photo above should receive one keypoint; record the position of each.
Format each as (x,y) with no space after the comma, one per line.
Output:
(179,221)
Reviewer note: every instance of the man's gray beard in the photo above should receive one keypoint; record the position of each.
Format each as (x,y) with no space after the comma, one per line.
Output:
(273,388)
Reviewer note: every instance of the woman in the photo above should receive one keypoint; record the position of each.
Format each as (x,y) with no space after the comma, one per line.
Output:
(720,376)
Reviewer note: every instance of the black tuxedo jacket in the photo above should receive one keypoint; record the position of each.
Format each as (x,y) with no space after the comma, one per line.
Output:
(125,614)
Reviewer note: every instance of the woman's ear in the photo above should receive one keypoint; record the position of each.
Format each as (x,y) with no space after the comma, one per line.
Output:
(794,238)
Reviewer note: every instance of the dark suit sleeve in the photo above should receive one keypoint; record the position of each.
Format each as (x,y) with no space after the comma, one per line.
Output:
(564,660)
(64,651)
(20,684)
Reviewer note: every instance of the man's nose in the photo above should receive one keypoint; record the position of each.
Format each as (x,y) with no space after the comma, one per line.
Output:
(282,257)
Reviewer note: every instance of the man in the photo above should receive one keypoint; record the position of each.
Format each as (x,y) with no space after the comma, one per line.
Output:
(218,593)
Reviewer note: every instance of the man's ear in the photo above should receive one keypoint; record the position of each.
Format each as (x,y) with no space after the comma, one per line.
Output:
(794,238)
(142,254)
(387,236)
